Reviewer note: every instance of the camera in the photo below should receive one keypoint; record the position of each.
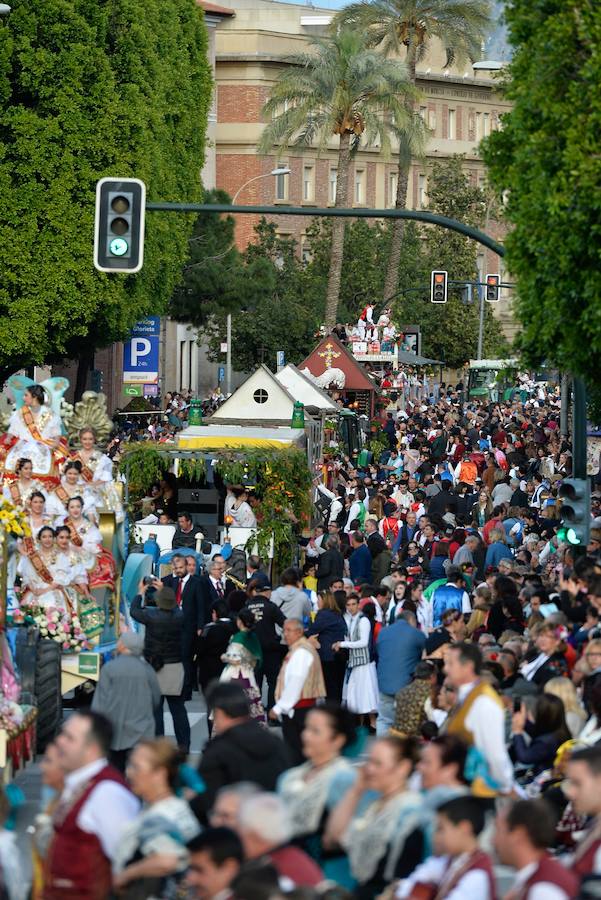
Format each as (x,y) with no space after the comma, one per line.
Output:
(148,579)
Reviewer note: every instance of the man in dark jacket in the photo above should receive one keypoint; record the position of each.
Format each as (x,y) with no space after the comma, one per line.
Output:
(240,750)
(188,594)
(268,618)
(164,623)
(330,564)
(360,559)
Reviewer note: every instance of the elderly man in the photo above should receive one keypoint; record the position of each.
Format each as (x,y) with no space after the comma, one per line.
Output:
(128,694)
(299,686)
(266,831)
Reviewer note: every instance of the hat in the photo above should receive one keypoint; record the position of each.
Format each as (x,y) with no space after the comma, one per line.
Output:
(132,641)
(165,598)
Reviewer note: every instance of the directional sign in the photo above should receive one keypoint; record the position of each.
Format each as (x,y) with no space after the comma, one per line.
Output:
(132,390)
(141,352)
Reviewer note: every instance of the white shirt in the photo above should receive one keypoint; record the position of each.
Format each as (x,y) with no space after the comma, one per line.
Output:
(336,506)
(544,890)
(108,809)
(486,722)
(295,674)
(353,514)
(364,633)
(473,884)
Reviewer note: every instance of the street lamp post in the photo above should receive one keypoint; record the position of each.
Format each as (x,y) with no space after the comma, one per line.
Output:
(280,170)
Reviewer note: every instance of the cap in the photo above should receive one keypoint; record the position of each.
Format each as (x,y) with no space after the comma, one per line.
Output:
(165,598)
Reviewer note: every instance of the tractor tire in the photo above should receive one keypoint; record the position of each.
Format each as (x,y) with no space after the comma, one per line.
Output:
(48,692)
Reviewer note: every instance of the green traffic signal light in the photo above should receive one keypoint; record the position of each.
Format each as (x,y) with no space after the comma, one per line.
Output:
(568,536)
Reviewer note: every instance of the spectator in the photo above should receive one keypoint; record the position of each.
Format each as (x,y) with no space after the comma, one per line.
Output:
(546,732)
(330,565)
(290,598)
(216,857)
(399,649)
(185,533)
(328,628)
(239,749)
(269,620)
(212,644)
(128,694)
(360,559)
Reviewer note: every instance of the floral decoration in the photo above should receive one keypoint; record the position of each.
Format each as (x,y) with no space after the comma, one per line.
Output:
(56,625)
(13,520)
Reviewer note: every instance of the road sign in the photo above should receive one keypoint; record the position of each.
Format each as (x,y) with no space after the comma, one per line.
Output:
(223,347)
(151,390)
(132,390)
(220,374)
(141,352)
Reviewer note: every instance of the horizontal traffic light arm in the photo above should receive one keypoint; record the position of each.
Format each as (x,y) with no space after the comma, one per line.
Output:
(417,215)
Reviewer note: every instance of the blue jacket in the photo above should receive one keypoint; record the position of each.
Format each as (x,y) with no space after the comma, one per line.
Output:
(447,596)
(331,628)
(495,553)
(399,649)
(360,564)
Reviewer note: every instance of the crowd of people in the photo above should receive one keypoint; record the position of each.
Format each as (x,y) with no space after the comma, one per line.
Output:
(413,712)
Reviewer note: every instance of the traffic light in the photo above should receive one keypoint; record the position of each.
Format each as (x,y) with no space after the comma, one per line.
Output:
(438,287)
(119,225)
(575,511)
(493,288)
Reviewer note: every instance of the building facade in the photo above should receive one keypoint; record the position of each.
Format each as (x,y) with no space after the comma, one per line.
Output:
(252,48)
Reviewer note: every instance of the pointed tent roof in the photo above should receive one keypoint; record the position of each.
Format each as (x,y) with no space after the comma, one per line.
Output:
(330,347)
(305,390)
(260,397)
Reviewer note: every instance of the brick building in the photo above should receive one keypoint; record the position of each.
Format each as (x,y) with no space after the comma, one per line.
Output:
(251,49)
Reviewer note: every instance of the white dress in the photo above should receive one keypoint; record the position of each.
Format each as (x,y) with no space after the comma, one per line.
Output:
(103,489)
(62,573)
(27,447)
(57,508)
(360,691)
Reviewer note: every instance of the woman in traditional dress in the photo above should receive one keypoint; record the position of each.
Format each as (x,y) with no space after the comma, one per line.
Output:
(91,616)
(87,539)
(360,691)
(38,514)
(33,433)
(72,485)
(20,490)
(44,582)
(97,473)
(242,656)
(312,790)
(383,837)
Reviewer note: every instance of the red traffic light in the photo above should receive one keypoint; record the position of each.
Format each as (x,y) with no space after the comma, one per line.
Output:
(493,286)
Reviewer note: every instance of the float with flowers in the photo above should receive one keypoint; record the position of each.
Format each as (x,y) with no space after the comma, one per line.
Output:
(61,547)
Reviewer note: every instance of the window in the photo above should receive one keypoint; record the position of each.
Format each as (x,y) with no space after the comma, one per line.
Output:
(359,186)
(308,183)
(260,396)
(478,126)
(422,184)
(281,185)
(393,180)
(333,184)
(432,119)
(486,124)
(452,125)
(423,111)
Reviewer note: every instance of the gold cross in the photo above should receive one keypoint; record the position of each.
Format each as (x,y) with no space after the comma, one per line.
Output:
(329,354)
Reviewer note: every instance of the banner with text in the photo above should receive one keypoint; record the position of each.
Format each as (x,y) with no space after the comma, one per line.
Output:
(141,352)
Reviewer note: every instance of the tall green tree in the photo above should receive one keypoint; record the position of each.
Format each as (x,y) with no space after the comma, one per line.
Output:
(90,89)
(405,29)
(339,88)
(546,163)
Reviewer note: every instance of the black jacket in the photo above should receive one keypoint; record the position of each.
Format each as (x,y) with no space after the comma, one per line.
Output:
(330,567)
(267,616)
(245,752)
(211,645)
(164,628)
(192,603)
(208,595)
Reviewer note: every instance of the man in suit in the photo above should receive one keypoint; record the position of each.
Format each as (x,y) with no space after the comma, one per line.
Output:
(188,594)
(360,559)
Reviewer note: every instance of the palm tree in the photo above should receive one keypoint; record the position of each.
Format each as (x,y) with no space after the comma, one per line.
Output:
(339,88)
(405,28)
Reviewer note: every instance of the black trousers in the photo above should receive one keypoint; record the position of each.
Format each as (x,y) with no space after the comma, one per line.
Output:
(181,724)
(272,661)
(333,675)
(292,729)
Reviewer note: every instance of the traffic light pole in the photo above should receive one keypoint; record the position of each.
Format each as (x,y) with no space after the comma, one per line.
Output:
(579,429)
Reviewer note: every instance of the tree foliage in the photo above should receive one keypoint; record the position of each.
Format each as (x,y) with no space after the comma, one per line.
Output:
(547,159)
(340,88)
(90,89)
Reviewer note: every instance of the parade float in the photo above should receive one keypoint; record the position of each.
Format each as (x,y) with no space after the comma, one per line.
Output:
(60,597)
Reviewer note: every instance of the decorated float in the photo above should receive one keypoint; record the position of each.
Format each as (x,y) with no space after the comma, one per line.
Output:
(61,541)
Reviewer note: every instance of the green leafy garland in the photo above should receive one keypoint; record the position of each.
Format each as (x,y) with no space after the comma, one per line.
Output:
(282,482)
(142,466)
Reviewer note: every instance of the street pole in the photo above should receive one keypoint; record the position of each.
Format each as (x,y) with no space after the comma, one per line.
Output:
(579,429)
(481,323)
(228,357)
(565,405)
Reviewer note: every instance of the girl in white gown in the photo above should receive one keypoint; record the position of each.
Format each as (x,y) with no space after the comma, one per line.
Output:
(19,490)
(72,485)
(45,572)
(37,431)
